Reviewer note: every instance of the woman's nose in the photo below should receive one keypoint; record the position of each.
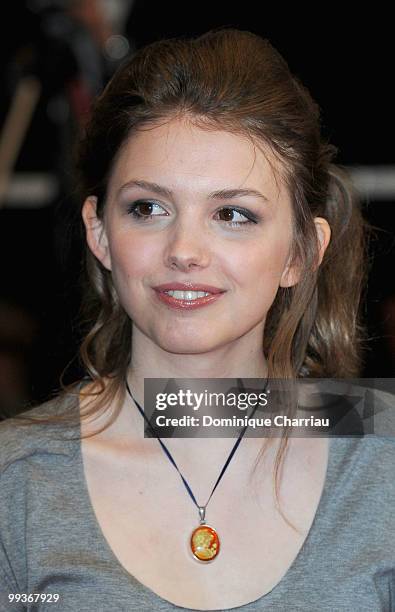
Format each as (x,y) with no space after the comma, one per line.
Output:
(187,247)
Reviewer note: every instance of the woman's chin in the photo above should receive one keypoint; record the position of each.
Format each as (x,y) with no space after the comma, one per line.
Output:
(185,346)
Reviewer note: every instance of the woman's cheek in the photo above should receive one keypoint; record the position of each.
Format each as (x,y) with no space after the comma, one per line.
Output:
(131,257)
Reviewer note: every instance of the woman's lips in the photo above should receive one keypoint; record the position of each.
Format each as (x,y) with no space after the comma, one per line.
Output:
(183,304)
(188,286)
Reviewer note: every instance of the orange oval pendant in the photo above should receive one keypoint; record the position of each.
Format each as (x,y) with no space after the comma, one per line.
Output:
(204,543)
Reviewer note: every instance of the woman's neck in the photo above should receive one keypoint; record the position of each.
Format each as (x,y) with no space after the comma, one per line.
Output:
(244,359)
(241,359)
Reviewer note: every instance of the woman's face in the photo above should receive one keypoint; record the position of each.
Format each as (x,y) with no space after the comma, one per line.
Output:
(198,207)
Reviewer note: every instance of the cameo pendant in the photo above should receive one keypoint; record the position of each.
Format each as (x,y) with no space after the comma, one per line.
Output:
(204,540)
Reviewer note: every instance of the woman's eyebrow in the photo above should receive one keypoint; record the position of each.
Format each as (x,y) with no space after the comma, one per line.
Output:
(227,194)
(222,194)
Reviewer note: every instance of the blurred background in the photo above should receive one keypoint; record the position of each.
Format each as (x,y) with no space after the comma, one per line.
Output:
(57,55)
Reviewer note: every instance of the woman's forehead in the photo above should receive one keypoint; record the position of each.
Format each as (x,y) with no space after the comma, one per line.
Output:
(184,154)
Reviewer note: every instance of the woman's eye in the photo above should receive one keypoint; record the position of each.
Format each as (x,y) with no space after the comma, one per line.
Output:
(143,210)
(235,217)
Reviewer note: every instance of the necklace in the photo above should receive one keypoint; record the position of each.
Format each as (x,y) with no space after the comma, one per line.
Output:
(204,541)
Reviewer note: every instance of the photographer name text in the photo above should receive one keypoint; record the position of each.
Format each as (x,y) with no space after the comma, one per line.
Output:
(210,421)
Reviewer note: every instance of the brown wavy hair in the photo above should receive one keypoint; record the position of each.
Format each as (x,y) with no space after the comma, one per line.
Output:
(235,81)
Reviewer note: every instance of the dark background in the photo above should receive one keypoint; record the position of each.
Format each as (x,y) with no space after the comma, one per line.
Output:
(345,61)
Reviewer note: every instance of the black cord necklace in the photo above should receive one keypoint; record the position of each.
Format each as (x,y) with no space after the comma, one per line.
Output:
(204,540)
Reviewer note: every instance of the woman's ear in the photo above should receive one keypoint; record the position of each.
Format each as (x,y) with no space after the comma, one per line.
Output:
(292,271)
(96,236)
(324,235)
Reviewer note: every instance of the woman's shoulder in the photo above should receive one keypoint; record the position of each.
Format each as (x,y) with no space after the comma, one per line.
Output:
(373,402)
(40,431)
(370,455)
(37,465)
(364,406)
(363,469)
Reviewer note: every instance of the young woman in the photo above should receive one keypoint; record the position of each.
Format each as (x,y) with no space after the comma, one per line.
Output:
(222,243)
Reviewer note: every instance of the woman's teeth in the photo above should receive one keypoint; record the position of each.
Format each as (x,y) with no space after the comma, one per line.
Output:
(187,295)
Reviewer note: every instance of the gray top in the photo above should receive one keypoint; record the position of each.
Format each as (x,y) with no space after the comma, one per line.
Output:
(51,542)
